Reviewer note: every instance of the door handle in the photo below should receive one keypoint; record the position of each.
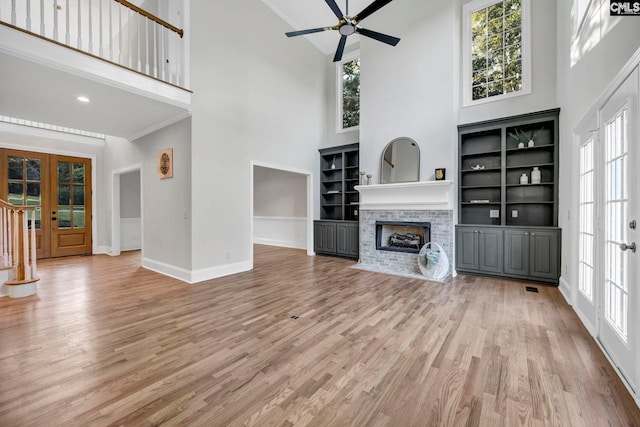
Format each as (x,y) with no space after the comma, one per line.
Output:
(54,218)
(632,247)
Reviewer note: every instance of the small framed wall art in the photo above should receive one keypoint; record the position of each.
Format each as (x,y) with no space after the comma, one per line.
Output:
(440,174)
(165,163)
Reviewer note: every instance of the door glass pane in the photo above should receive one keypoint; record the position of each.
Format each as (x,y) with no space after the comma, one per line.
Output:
(33,170)
(15,167)
(586,232)
(16,193)
(78,173)
(78,195)
(78,217)
(616,212)
(64,171)
(64,198)
(64,217)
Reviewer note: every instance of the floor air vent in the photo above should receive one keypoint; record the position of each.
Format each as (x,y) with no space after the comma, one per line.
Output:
(531,289)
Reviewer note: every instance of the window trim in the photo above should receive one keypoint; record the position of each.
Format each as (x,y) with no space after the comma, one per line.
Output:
(467,10)
(339,91)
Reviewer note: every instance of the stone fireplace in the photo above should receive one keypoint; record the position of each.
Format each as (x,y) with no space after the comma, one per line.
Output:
(409,204)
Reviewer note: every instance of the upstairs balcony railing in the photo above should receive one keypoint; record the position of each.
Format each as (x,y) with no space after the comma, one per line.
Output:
(113,30)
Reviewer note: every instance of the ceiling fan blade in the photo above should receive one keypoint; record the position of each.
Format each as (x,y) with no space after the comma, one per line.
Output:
(340,50)
(303,32)
(332,4)
(372,8)
(384,38)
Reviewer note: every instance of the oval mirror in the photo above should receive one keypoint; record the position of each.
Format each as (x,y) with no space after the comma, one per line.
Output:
(400,161)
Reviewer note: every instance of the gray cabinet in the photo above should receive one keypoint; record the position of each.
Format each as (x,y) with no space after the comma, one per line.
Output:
(545,260)
(516,254)
(339,238)
(324,233)
(479,249)
(526,253)
(347,239)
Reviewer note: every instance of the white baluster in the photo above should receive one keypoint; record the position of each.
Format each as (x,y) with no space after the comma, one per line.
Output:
(3,236)
(120,59)
(13,12)
(67,33)
(32,261)
(146,42)
(163,62)
(28,18)
(55,20)
(139,36)
(101,50)
(130,62)
(42,17)
(110,31)
(155,51)
(90,27)
(25,244)
(79,46)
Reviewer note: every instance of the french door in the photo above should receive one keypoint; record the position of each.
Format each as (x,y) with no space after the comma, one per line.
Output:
(60,188)
(619,208)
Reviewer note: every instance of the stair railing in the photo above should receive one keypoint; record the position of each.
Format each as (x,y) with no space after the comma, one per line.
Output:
(18,242)
(113,30)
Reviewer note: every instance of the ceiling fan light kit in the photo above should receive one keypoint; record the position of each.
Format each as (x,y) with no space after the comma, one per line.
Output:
(348,25)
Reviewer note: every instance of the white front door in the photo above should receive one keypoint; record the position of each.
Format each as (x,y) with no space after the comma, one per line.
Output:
(618,278)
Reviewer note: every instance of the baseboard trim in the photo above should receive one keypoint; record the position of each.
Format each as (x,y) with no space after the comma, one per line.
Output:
(565,290)
(167,269)
(133,247)
(281,243)
(4,292)
(220,271)
(102,250)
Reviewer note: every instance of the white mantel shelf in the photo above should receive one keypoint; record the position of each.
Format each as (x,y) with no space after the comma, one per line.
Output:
(423,195)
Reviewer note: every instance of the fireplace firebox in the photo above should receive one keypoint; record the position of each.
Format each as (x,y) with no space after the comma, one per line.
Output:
(408,237)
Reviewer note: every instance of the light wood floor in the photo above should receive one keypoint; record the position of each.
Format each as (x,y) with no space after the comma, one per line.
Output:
(106,342)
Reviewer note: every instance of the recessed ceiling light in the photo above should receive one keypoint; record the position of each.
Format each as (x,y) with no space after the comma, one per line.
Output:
(83,99)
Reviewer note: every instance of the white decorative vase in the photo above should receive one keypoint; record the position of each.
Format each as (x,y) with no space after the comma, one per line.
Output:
(535,175)
(530,144)
(524,179)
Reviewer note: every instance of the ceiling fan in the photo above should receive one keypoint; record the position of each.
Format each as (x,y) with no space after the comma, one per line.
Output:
(348,25)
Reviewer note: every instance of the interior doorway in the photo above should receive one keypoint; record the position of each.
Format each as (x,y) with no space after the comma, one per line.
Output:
(127,209)
(60,188)
(281,206)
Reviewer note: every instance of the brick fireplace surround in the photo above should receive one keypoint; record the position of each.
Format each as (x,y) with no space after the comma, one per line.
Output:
(429,201)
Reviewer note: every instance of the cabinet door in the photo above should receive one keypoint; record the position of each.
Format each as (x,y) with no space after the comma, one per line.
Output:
(490,249)
(516,252)
(347,239)
(467,248)
(544,254)
(325,237)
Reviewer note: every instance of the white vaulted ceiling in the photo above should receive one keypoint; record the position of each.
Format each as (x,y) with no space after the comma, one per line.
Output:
(302,15)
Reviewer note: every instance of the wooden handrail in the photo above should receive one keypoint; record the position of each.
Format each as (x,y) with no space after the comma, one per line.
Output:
(152,17)
(8,205)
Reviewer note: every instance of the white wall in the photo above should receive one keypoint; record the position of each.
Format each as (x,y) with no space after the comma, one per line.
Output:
(579,86)
(166,203)
(130,195)
(257,96)
(408,90)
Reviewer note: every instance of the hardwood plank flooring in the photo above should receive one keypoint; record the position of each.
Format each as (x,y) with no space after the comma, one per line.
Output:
(106,342)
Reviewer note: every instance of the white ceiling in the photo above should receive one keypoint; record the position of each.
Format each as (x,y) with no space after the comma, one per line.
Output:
(32,91)
(302,15)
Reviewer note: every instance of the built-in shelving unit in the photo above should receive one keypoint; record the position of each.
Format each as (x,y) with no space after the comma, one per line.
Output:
(494,155)
(336,233)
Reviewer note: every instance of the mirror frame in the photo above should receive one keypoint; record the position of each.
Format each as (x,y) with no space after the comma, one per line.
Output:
(402,138)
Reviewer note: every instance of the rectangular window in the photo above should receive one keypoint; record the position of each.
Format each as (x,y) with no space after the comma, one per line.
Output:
(348,82)
(586,225)
(495,51)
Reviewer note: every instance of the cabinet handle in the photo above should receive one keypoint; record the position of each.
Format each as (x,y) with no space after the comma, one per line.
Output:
(533,234)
